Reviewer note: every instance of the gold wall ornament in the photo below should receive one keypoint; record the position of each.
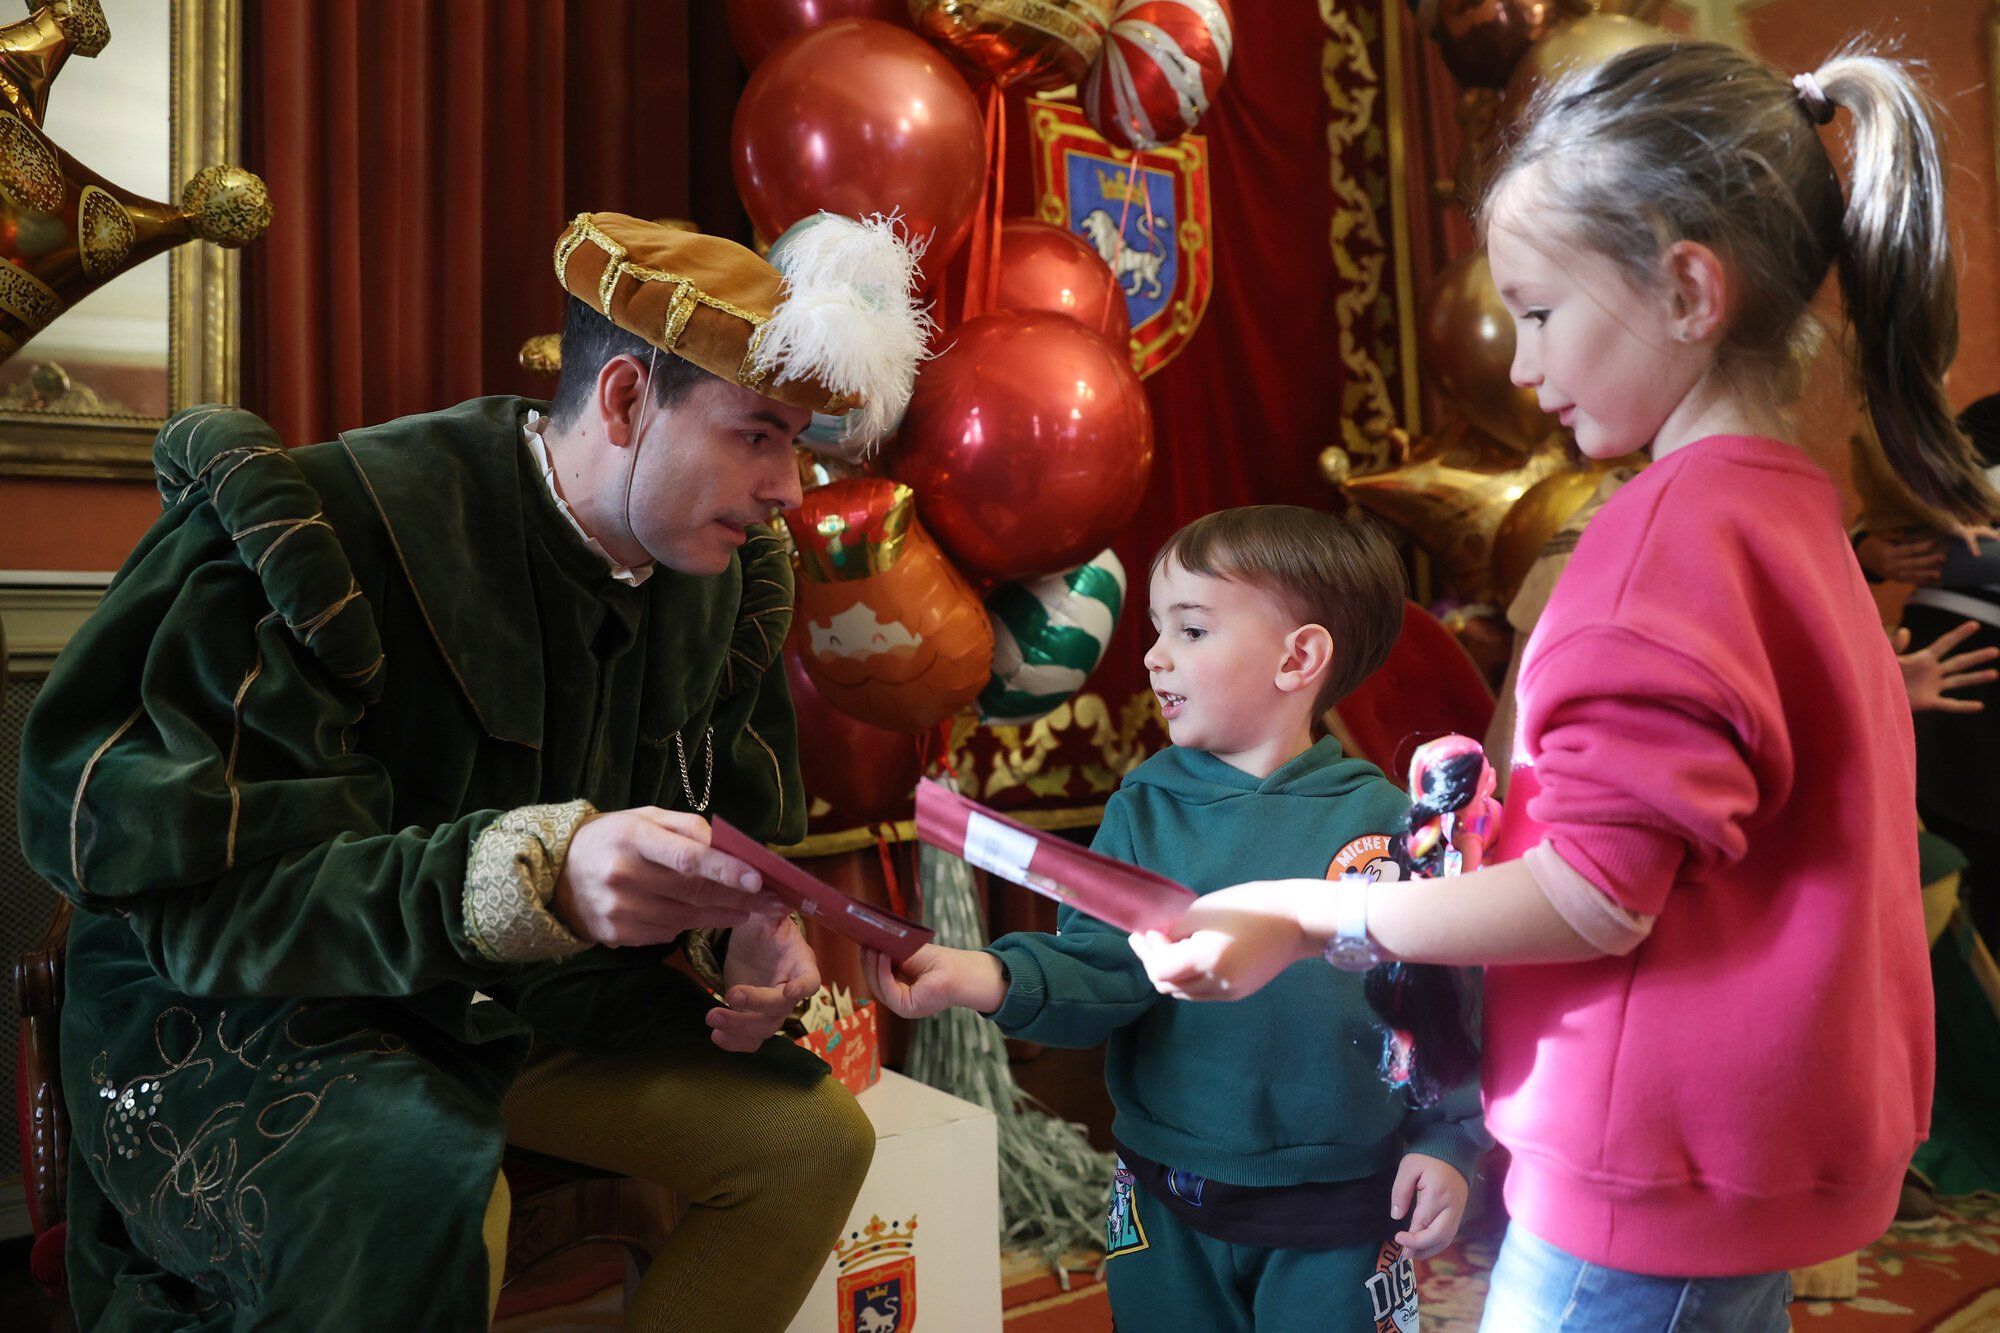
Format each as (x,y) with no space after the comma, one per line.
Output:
(197,325)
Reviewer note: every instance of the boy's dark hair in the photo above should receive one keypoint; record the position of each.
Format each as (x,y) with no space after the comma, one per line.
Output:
(1337,571)
(589,340)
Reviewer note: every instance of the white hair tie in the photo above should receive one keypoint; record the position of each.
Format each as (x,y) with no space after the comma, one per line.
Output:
(1818,106)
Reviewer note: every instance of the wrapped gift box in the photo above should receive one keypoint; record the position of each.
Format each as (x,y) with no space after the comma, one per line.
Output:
(925,1231)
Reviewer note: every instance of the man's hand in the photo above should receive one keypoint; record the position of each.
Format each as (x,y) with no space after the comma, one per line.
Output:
(643,876)
(768,972)
(1439,1194)
(1930,675)
(1229,943)
(935,979)
(1907,555)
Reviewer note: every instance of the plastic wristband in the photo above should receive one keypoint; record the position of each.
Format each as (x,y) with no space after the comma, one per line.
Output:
(1350,949)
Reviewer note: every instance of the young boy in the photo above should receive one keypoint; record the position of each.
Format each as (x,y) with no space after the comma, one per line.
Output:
(1261,1156)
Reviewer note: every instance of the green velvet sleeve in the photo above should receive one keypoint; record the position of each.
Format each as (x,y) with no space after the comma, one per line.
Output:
(188,767)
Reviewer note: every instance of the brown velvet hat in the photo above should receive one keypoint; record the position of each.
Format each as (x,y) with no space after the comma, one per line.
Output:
(832,330)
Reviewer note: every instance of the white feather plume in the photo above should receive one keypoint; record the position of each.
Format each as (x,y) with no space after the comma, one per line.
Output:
(849,317)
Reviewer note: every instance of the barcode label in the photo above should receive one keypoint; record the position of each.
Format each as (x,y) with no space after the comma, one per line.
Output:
(993,846)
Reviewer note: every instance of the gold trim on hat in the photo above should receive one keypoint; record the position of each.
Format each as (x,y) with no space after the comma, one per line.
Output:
(621,262)
(567,246)
(677,316)
(748,375)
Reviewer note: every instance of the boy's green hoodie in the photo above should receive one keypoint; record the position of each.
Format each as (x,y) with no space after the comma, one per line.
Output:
(1277,1089)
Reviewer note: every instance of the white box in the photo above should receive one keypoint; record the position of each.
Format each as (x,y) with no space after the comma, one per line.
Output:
(921,1250)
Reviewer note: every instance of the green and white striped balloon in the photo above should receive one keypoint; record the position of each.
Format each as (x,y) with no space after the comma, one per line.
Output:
(1049,634)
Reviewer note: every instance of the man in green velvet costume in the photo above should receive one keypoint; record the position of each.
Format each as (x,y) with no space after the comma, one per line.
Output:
(381,775)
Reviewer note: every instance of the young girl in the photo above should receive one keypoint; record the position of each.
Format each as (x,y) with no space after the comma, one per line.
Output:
(1708,1014)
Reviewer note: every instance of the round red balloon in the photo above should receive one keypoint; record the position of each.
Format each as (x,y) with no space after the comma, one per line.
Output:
(867,774)
(1044,267)
(758,27)
(1028,444)
(860,117)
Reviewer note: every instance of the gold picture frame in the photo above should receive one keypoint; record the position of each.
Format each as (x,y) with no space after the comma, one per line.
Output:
(204,281)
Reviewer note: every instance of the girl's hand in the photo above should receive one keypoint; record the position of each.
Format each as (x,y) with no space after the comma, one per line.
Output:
(1930,675)
(934,979)
(1973,533)
(1439,1194)
(1906,556)
(1229,944)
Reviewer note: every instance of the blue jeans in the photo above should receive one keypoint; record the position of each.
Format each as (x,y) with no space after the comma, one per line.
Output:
(1538,1288)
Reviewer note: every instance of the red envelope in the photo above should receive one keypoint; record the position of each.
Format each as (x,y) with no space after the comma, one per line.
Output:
(1115,893)
(870,927)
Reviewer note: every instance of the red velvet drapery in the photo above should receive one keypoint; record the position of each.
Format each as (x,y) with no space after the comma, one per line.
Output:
(422,157)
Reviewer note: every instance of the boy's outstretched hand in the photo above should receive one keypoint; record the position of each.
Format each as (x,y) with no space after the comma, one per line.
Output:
(1229,944)
(935,978)
(1438,1194)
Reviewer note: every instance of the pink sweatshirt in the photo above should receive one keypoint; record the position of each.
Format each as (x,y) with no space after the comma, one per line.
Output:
(1713,730)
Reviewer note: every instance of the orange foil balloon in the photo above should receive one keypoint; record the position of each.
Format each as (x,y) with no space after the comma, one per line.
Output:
(1466,339)
(758,27)
(1451,498)
(1029,441)
(1044,267)
(1482,40)
(891,633)
(867,774)
(1018,43)
(65,231)
(859,117)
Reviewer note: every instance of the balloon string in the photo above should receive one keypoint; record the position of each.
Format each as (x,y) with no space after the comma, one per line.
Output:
(890,882)
(978,260)
(1118,242)
(945,756)
(999,195)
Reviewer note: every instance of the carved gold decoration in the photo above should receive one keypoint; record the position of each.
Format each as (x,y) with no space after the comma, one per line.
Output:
(1369,425)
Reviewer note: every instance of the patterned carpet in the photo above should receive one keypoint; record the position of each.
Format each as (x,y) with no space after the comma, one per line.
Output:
(1941,1276)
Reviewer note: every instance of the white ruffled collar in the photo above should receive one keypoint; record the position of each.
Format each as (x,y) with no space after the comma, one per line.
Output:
(531,434)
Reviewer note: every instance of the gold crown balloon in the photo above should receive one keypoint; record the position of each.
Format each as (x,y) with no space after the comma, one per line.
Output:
(65,231)
(1451,495)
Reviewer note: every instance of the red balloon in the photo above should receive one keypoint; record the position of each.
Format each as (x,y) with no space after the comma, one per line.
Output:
(859,117)
(1028,444)
(867,774)
(757,27)
(1044,267)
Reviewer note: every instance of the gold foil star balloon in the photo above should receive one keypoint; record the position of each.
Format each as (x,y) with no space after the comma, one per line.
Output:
(65,231)
(1451,497)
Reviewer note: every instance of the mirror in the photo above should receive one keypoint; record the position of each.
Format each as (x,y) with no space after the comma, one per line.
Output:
(85,396)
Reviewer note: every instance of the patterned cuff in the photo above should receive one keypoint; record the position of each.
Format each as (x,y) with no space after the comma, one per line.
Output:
(510,878)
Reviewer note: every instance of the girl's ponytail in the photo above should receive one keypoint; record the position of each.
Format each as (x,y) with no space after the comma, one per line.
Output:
(1897,281)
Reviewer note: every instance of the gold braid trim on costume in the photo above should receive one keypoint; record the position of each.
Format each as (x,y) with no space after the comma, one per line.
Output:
(510,878)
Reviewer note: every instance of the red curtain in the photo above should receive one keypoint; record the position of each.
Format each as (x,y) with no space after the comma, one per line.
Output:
(423,155)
